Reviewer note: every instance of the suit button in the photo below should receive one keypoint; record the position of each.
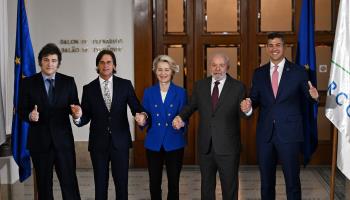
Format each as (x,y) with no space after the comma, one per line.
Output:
(109,118)
(158,124)
(155,105)
(169,114)
(157,114)
(171,105)
(166,124)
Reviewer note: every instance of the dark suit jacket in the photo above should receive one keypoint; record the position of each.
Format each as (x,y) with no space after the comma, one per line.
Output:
(283,112)
(106,123)
(221,126)
(54,125)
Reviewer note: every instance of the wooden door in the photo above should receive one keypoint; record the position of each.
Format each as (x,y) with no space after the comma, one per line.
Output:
(191,30)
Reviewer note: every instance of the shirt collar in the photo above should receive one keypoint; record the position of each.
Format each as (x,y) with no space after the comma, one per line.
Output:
(221,81)
(280,64)
(102,80)
(48,77)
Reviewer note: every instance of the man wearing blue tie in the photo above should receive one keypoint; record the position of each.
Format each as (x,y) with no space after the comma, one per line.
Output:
(277,89)
(47,99)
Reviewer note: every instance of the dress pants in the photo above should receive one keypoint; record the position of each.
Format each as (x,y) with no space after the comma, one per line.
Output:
(119,159)
(227,166)
(269,153)
(65,166)
(173,162)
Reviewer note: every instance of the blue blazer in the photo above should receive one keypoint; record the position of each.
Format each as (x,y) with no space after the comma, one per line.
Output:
(285,111)
(160,131)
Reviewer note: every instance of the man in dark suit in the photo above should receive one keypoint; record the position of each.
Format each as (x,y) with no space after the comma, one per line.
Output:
(217,98)
(50,139)
(278,89)
(104,103)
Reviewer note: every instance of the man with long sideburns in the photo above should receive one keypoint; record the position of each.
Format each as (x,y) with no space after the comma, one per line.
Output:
(104,105)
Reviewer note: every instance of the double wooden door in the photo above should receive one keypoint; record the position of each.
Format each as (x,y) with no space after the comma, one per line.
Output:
(192,30)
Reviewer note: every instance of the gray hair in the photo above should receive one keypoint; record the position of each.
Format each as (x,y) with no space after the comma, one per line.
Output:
(222,55)
(165,58)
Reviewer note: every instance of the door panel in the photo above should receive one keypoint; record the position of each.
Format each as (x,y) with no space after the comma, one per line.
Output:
(192,30)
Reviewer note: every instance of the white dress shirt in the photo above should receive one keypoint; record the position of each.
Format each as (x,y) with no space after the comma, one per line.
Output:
(272,68)
(110,85)
(279,69)
(220,86)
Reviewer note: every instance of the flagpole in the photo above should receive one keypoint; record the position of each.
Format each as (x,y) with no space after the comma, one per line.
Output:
(334,162)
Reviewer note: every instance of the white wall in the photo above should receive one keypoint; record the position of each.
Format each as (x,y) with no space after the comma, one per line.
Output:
(53,21)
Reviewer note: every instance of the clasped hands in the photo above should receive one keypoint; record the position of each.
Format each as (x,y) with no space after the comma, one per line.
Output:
(140,118)
(178,123)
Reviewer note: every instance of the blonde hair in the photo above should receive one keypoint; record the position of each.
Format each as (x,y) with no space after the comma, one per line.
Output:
(165,58)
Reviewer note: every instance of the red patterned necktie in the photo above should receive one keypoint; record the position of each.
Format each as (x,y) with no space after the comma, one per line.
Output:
(274,80)
(215,95)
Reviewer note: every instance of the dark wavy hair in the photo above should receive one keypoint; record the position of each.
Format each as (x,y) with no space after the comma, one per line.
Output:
(101,54)
(274,35)
(50,49)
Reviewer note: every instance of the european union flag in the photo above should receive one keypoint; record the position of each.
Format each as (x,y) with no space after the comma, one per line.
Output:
(306,58)
(24,66)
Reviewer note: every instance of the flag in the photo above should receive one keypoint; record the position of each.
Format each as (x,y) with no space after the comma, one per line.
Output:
(338,93)
(24,66)
(306,58)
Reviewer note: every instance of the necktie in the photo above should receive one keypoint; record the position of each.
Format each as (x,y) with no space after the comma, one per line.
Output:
(274,80)
(107,95)
(50,91)
(215,95)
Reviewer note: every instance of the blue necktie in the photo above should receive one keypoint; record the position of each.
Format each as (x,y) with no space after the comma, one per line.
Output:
(50,91)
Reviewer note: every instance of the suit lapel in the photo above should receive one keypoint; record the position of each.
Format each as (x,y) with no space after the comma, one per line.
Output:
(58,87)
(157,100)
(99,95)
(169,100)
(42,89)
(115,89)
(224,91)
(284,79)
(207,91)
(170,95)
(268,81)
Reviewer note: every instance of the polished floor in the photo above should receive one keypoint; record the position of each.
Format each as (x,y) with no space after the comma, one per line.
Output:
(315,185)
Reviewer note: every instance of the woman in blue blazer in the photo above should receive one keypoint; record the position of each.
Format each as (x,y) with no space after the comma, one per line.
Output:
(164,144)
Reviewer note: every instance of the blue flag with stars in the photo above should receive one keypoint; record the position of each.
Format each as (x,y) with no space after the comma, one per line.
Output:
(24,66)
(306,58)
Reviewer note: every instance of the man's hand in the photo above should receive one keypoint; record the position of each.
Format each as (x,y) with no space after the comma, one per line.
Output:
(246,105)
(140,118)
(34,115)
(313,91)
(76,111)
(178,123)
